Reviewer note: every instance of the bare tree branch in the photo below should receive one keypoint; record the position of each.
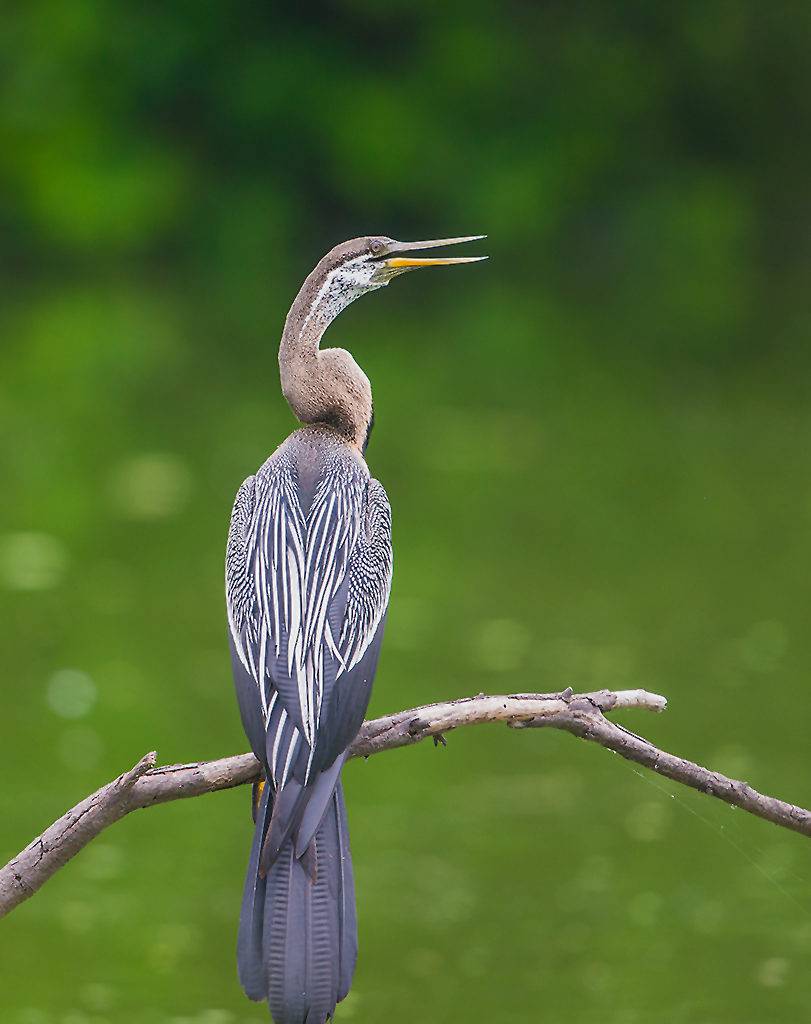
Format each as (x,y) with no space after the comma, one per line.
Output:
(582,715)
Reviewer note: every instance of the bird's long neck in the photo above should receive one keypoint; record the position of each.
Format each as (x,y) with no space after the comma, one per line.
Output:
(323,387)
(301,337)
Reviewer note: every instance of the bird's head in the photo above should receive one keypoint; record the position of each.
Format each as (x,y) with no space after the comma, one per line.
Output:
(364,264)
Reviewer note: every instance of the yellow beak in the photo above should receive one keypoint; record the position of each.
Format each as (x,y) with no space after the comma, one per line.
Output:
(407,263)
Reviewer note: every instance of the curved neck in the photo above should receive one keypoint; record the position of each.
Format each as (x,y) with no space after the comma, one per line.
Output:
(305,323)
(323,387)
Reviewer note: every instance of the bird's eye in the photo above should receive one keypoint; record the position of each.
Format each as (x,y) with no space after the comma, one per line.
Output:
(377,247)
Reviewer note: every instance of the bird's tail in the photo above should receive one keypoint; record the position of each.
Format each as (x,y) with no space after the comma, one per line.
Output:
(298,941)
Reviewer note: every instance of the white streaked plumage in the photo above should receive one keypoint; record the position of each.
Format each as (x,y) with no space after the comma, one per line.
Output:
(286,565)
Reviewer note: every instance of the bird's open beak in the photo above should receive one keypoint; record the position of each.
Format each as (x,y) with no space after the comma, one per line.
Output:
(391,265)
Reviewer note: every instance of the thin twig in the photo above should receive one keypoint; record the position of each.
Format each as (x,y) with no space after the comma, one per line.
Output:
(582,715)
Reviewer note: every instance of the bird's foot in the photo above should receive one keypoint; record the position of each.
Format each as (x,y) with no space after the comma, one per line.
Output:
(256,797)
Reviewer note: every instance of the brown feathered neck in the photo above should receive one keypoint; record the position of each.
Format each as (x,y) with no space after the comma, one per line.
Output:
(327,386)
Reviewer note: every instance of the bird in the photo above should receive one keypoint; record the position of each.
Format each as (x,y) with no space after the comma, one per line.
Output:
(308,574)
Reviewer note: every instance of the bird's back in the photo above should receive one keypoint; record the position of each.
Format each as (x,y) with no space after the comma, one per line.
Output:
(297,540)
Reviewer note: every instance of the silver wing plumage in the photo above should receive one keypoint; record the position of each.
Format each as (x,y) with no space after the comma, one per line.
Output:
(308,574)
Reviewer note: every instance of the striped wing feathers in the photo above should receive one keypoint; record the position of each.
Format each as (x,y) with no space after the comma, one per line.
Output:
(370,573)
(286,568)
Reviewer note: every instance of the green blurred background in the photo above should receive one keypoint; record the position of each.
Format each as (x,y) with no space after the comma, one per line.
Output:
(596,447)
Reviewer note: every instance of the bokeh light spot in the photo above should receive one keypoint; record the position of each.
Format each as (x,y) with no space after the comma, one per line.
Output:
(77,917)
(150,486)
(71,693)
(31,561)
(772,973)
(102,862)
(647,822)
(501,645)
(98,996)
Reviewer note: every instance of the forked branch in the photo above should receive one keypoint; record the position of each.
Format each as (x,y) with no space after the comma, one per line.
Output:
(583,715)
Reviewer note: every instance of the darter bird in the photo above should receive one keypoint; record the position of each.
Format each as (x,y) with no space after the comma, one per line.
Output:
(308,574)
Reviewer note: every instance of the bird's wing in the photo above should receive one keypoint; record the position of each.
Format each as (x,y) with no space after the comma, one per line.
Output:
(369,582)
(307,584)
(356,620)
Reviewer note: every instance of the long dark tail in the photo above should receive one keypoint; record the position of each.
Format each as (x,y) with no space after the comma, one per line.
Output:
(298,938)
